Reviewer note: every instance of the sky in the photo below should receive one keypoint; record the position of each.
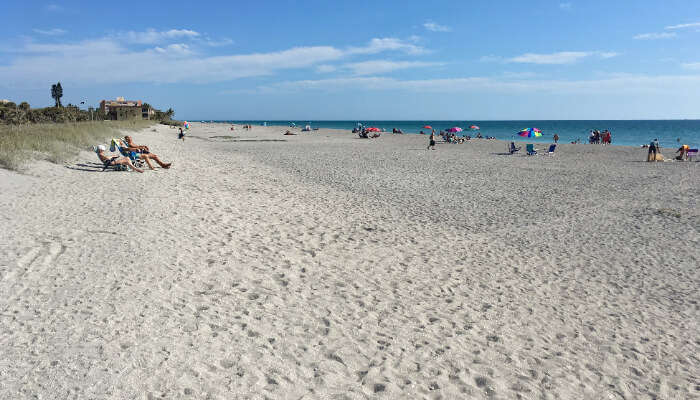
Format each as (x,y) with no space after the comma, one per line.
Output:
(361,60)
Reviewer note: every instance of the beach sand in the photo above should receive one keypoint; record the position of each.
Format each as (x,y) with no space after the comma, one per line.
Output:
(326,266)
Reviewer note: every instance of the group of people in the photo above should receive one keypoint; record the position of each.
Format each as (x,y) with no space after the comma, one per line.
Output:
(129,151)
(367,134)
(598,137)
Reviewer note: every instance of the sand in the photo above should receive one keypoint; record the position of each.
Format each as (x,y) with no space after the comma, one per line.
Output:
(326,266)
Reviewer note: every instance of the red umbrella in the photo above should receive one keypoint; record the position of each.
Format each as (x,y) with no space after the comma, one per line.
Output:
(427,127)
(373,129)
(474,127)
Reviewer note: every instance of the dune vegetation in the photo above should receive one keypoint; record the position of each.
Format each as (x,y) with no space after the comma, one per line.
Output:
(57,142)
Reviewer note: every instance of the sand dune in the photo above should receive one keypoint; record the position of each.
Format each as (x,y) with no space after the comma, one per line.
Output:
(326,266)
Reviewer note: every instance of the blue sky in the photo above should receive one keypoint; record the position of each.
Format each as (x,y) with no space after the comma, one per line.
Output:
(466,60)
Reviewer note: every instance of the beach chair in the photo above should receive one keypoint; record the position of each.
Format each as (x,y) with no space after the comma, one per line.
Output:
(691,153)
(117,167)
(552,147)
(132,155)
(530,148)
(513,149)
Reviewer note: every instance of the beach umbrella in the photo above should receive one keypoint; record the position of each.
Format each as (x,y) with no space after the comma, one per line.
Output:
(474,128)
(455,129)
(530,132)
(373,129)
(427,127)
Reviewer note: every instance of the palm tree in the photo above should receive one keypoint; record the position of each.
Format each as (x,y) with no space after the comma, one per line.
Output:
(57,93)
(170,113)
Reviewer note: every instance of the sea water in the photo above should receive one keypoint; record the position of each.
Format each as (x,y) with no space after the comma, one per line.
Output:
(671,133)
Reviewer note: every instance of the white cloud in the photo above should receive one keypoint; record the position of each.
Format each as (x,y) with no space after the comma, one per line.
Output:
(692,66)
(432,26)
(325,68)
(151,36)
(652,36)
(384,66)
(613,84)
(378,45)
(683,26)
(218,43)
(177,49)
(111,60)
(50,32)
(608,54)
(563,57)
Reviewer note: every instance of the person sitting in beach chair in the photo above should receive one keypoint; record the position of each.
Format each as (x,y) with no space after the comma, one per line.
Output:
(136,153)
(129,143)
(530,148)
(513,149)
(552,147)
(114,161)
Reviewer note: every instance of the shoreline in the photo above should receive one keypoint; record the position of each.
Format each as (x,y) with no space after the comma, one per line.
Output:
(667,140)
(517,139)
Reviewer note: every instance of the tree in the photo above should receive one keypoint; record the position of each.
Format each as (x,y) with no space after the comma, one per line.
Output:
(170,113)
(57,93)
(24,106)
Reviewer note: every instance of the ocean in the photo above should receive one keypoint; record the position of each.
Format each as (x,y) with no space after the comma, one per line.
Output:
(671,133)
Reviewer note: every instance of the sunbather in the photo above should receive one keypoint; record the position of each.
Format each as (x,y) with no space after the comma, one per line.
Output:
(115,160)
(143,153)
(133,147)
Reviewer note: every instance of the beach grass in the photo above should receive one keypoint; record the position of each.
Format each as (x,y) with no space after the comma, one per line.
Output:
(56,142)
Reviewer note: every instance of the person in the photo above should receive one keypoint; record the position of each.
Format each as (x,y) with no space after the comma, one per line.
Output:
(683,150)
(432,141)
(181,135)
(115,160)
(556,138)
(133,147)
(653,148)
(147,156)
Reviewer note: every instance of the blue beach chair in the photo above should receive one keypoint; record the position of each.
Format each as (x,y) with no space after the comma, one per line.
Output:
(513,149)
(552,147)
(132,155)
(530,148)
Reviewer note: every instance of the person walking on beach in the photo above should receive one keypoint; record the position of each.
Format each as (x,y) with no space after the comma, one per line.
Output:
(181,135)
(432,141)
(556,138)
(653,148)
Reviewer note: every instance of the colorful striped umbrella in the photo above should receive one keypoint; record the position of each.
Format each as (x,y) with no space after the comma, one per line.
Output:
(530,132)
(455,129)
